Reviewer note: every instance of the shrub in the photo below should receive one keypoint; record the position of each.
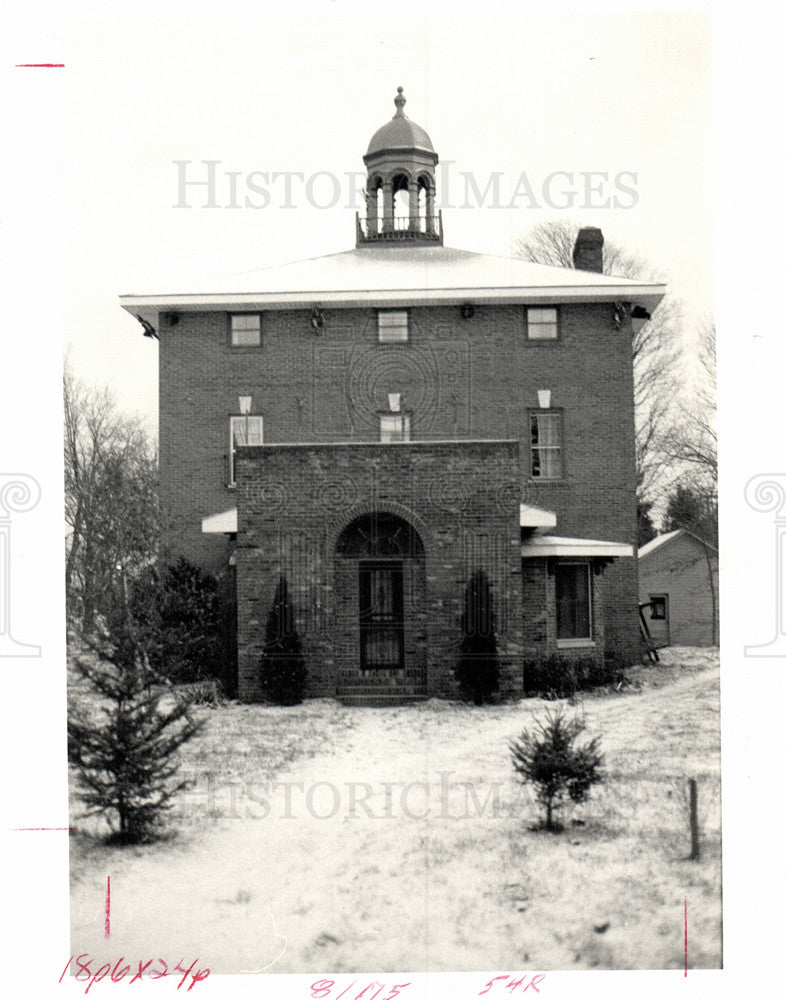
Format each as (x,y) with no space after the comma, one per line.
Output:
(563,676)
(178,611)
(550,758)
(477,669)
(126,755)
(282,664)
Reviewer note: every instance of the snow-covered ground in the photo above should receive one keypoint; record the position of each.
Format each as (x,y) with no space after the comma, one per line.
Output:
(348,839)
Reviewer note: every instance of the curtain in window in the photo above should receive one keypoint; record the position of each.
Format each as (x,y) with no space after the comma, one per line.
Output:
(546,446)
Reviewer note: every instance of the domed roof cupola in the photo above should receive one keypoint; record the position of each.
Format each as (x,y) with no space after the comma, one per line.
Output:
(401,184)
(399,134)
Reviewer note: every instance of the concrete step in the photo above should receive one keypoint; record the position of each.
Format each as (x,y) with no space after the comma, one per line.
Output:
(377,700)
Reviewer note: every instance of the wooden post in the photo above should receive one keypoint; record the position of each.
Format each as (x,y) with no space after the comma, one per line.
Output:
(695,850)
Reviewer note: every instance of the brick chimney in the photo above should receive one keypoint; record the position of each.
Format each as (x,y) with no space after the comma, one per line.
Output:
(588,251)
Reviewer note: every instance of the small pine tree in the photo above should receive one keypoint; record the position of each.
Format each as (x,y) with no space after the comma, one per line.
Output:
(282,664)
(551,759)
(478,666)
(126,755)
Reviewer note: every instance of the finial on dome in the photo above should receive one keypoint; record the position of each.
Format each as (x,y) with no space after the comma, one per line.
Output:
(399,100)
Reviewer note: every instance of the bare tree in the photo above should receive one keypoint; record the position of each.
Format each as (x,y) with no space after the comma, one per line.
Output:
(110,497)
(655,350)
(693,442)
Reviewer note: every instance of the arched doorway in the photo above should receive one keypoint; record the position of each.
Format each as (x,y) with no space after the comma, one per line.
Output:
(380,586)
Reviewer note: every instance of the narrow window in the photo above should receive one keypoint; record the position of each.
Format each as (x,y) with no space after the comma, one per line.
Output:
(381,615)
(545,429)
(574,603)
(393,326)
(242,430)
(246,330)
(393,427)
(658,607)
(542,324)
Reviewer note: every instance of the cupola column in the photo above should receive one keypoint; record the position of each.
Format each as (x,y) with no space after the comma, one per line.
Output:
(430,212)
(371,209)
(387,205)
(414,214)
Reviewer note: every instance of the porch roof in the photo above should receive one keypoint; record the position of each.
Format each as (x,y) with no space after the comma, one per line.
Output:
(224,523)
(553,545)
(536,517)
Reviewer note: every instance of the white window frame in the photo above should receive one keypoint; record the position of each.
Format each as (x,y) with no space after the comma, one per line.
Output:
(579,641)
(540,328)
(247,324)
(393,326)
(398,428)
(558,448)
(257,435)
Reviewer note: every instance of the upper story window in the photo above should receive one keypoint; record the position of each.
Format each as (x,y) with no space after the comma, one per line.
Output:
(246,330)
(242,430)
(545,435)
(573,583)
(393,427)
(542,324)
(393,326)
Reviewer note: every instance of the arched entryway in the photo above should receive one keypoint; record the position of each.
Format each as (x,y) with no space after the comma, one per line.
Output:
(380,591)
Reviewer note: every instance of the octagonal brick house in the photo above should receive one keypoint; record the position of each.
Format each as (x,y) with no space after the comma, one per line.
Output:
(378,425)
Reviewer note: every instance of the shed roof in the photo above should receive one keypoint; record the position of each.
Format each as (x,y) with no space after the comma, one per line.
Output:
(660,540)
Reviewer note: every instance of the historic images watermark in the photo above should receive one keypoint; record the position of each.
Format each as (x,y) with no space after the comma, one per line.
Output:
(766,492)
(19,493)
(210,184)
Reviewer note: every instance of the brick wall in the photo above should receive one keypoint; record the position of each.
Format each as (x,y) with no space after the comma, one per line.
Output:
(471,378)
(293,530)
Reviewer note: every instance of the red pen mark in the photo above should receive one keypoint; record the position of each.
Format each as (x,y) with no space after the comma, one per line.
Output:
(40,66)
(38,829)
(686,936)
(106,911)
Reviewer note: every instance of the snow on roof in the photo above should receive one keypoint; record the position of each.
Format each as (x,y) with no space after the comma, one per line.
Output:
(536,517)
(553,545)
(379,276)
(657,541)
(669,536)
(224,523)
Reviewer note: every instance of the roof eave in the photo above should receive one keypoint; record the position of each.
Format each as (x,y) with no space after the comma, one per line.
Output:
(148,306)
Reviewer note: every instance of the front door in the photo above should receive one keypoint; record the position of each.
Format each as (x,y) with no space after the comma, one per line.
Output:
(381,615)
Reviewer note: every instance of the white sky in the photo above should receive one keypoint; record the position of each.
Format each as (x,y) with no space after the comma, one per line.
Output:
(87,192)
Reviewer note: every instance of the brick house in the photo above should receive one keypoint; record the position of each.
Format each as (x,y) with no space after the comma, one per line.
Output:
(379,424)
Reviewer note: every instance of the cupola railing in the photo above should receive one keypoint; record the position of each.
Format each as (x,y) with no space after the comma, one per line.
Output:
(412,229)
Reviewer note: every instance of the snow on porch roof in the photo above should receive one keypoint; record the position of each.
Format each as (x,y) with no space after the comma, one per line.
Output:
(536,517)
(551,545)
(224,523)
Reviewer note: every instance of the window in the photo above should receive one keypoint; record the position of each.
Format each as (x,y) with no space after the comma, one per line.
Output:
(381,615)
(542,324)
(393,427)
(393,326)
(574,602)
(545,435)
(246,330)
(242,430)
(658,603)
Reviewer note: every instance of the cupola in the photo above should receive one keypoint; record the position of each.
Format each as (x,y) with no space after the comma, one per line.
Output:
(401,185)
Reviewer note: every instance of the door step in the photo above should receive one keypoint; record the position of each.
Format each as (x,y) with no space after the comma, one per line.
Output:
(378,699)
